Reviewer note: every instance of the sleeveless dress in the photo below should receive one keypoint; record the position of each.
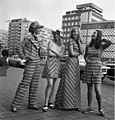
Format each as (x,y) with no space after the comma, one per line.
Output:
(69,93)
(93,69)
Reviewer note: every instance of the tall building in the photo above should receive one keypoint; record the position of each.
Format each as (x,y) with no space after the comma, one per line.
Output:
(4,38)
(18,29)
(83,13)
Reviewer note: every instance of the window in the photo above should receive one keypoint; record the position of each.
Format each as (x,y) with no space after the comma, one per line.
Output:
(69,24)
(76,23)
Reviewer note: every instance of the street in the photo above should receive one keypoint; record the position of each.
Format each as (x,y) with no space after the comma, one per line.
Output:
(9,83)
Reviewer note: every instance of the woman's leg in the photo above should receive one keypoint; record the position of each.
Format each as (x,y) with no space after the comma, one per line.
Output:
(51,97)
(48,90)
(52,94)
(23,86)
(89,98)
(89,94)
(33,88)
(98,97)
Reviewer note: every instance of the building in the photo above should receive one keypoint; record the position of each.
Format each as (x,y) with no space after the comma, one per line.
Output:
(89,17)
(45,37)
(18,28)
(3,39)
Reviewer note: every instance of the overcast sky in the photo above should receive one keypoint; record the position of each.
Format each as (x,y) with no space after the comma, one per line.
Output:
(48,12)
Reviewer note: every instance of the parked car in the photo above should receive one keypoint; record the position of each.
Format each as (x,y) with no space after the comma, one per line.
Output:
(15,61)
(111,71)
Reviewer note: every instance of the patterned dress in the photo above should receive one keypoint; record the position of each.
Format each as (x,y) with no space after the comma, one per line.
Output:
(93,69)
(52,67)
(68,94)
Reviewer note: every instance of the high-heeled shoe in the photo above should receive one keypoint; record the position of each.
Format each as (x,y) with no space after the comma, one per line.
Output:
(88,110)
(102,112)
(45,108)
(51,105)
(13,109)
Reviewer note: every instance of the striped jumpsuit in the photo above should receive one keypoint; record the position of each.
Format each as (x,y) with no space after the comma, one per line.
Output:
(69,94)
(28,49)
(93,69)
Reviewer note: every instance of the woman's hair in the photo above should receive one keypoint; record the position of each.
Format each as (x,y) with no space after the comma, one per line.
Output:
(97,44)
(58,42)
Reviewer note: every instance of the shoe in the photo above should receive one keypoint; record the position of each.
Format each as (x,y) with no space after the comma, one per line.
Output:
(45,108)
(102,112)
(13,109)
(51,105)
(88,110)
(35,107)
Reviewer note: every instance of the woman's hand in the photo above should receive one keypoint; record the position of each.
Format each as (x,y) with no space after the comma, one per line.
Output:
(23,62)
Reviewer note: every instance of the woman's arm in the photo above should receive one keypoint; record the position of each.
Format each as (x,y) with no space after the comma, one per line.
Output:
(19,48)
(80,47)
(50,52)
(86,56)
(105,43)
(72,52)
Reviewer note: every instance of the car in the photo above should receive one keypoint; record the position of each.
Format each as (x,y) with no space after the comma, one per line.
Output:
(111,71)
(15,61)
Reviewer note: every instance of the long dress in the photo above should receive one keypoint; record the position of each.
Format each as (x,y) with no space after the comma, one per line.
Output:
(69,94)
(93,69)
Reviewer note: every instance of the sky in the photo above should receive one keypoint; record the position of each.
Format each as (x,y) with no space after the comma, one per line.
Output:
(47,12)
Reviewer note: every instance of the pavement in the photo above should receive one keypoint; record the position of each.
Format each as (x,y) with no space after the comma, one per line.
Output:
(9,83)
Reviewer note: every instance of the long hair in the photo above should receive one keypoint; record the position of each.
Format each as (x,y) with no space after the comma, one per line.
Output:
(97,44)
(76,29)
(60,41)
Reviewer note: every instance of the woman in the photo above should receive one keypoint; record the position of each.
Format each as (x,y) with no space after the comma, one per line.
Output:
(28,51)
(52,68)
(93,71)
(68,95)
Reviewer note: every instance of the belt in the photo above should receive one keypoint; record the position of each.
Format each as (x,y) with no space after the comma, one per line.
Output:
(54,56)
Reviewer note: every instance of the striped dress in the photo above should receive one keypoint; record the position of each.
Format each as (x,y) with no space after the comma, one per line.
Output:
(69,94)
(93,69)
(51,68)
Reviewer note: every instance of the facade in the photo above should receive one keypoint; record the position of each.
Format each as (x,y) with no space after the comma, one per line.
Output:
(84,13)
(18,28)
(4,38)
